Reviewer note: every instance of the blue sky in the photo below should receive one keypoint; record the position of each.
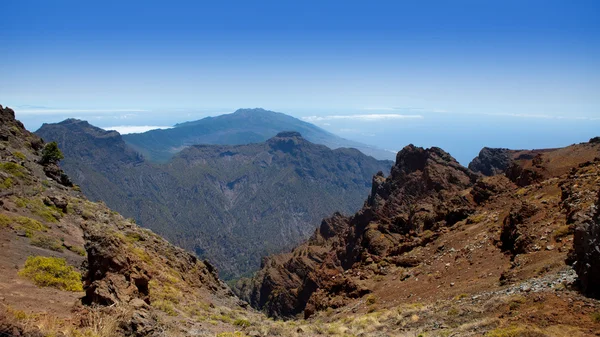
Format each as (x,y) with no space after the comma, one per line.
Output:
(456,74)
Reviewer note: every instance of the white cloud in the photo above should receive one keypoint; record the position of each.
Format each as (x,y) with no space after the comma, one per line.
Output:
(542,116)
(367,117)
(380,109)
(125,129)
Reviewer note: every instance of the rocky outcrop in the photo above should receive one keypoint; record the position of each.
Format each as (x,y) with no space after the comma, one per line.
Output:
(491,161)
(420,197)
(581,203)
(523,176)
(513,237)
(585,255)
(122,265)
(487,187)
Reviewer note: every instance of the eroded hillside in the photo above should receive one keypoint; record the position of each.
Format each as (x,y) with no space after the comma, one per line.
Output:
(71,267)
(229,204)
(439,250)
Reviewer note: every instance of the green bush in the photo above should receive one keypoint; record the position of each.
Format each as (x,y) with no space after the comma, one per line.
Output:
(77,250)
(46,242)
(13,168)
(52,272)
(30,226)
(7,183)
(244,323)
(51,154)
(5,220)
(19,155)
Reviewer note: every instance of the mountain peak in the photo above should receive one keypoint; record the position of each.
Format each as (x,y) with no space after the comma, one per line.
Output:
(288,134)
(248,111)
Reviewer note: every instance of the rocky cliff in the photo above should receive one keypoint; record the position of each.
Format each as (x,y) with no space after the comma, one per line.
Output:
(419,199)
(435,240)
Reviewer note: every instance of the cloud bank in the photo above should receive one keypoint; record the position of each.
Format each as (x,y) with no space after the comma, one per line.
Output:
(366,117)
(125,129)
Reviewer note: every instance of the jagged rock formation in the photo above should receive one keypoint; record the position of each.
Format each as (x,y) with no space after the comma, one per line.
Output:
(405,210)
(491,161)
(513,237)
(427,216)
(583,216)
(586,246)
(229,204)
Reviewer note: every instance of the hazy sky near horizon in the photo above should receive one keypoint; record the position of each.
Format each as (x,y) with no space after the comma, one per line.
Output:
(457,74)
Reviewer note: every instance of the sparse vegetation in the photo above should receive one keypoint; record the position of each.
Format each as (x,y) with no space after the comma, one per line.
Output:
(46,242)
(19,155)
(562,232)
(165,306)
(28,225)
(370,300)
(515,331)
(13,168)
(77,250)
(6,183)
(231,334)
(516,302)
(244,323)
(476,218)
(48,213)
(52,272)
(596,317)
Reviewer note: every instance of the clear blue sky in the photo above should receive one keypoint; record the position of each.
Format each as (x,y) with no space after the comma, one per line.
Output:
(462,73)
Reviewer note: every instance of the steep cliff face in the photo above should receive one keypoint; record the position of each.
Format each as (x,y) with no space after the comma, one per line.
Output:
(581,201)
(420,198)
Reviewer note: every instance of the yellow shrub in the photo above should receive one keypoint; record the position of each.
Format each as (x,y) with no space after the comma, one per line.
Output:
(52,272)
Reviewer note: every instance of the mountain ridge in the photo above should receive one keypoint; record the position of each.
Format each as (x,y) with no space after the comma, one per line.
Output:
(423,229)
(243,126)
(284,186)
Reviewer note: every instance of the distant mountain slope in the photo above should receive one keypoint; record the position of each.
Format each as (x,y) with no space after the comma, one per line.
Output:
(244,126)
(232,204)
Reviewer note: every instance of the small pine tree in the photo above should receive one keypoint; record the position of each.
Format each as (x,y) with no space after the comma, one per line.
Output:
(51,154)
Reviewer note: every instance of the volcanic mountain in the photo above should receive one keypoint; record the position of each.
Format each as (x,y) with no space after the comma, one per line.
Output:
(232,204)
(244,126)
